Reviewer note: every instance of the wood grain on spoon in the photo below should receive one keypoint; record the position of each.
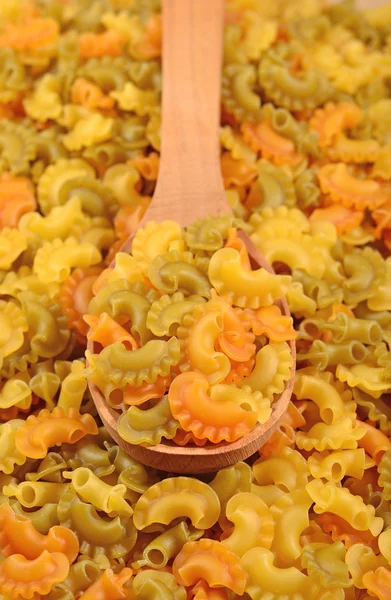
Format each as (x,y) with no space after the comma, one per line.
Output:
(190,187)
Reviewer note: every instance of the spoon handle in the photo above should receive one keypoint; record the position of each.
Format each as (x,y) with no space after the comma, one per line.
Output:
(192,60)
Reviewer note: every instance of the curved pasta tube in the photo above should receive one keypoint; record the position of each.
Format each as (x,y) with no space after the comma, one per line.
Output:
(199,334)
(167,313)
(272,369)
(211,561)
(322,355)
(109,586)
(154,240)
(54,261)
(97,535)
(121,366)
(307,90)
(177,497)
(378,582)
(13,244)
(335,180)
(9,454)
(178,271)
(148,426)
(331,120)
(360,559)
(326,562)
(167,545)
(273,146)
(13,325)
(339,501)
(342,435)
(120,298)
(73,388)
(365,377)
(238,95)
(197,412)
(374,442)
(53,428)
(22,577)
(264,577)
(329,401)
(43,518)
(157,584)
(100,494)
(288,470)
(35,493)
(269,321)
(19,536)
(106,331)
(227,483)
(251,289)
(18,147)
(347,328)
(209,233)
(334,466)
(253,523)
(291,516)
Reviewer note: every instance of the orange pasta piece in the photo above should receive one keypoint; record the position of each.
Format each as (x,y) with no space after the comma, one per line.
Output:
(344,218)
(88,94)
(382,218)
(236,172)
(197,412)
(147,166)
(269,321)
(95,45)
(109,586)
(331,120)
(378,583)
(239,370)
(17,197)
(183,438)
(75,296)
(209,561)
(342,187)
(13,109)
(20,577)
(29,35)
(202,591)
(135,396)
(374,442)
(261,137)
(19,536)
(283,436)
(53,428)
(151,44)
(235,341)
(338,307)
(129,218)
(341,530)
(314,534)
(233,241)
(105,330)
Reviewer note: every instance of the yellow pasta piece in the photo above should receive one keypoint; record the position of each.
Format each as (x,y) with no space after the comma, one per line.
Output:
(291,516)
(334,466)
(12,244)
(339,501)
(103,496)
(253,523)
(288,470)
(251,289)
(88,131)
(131,98)
(54,261)
(263,577)
(9,454)
(45,102)
(177,497)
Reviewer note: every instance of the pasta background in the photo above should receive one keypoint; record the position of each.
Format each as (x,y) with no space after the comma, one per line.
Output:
(306,161)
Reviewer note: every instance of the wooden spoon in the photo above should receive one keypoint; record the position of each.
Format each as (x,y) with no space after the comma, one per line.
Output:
(190,187)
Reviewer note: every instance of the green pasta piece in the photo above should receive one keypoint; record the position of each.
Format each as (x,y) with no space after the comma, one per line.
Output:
(148,426)
(18,147)
(239,94)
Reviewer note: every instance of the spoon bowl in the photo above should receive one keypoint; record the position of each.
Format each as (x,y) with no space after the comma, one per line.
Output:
(190,187)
